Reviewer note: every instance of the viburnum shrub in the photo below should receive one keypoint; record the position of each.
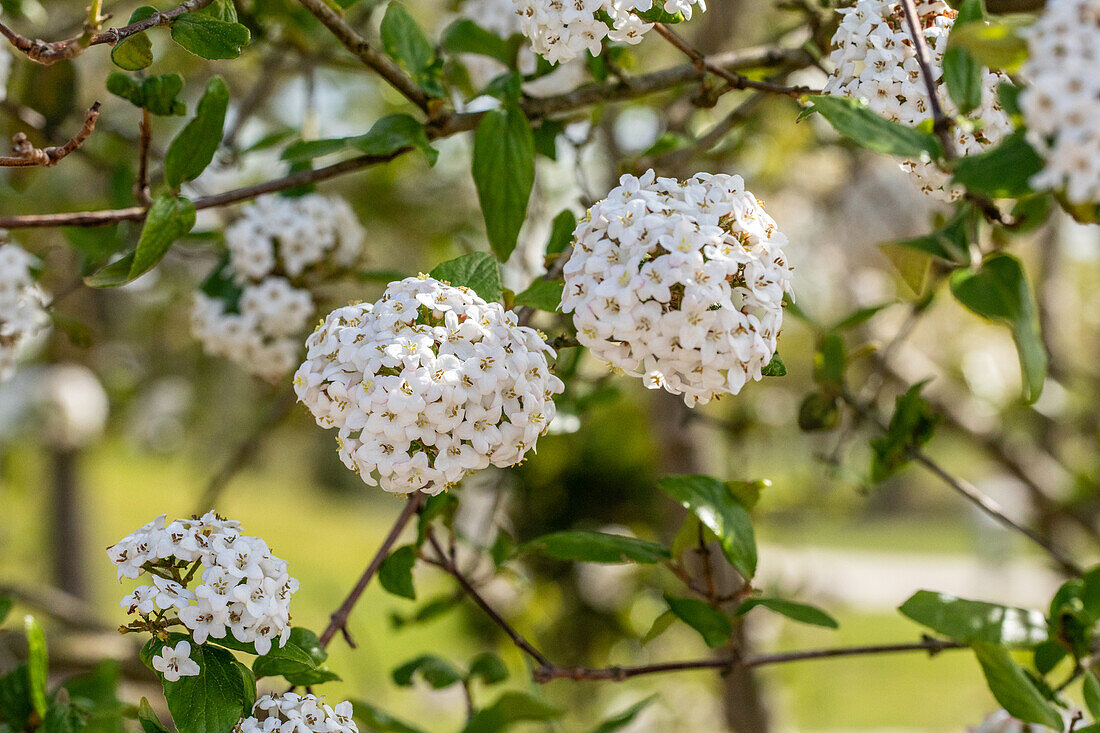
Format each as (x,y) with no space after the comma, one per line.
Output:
(531,306)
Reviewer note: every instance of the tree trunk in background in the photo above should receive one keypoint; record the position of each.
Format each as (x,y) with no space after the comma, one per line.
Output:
(681,441)
(66,537)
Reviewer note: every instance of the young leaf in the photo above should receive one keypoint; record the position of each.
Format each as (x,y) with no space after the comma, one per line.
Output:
(911,426)
(170,217)
(194,147)
(406,43)
(715,506)
(478,271)
(801,612)
(159,95)
(961,73)
(625,718)
(561,232)
(998,290)
(37,664)
(1002,172)
(967,621)
(150,723)
(209,37)
(504,172)
(949,243)
(852,119)
(135,52)
(583,546)
(713,625)
(393,132)
(1090,689)
(395,574)
(775,367)
(511,707)
(436,672)
(489,668)
(659,626)
(1013,689)
(543,294)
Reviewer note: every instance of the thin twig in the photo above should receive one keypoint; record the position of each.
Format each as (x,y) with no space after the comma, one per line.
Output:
(941,125)
(46,52)
(735,80)
(25,155)
(339,619)
(970,492)
(382,64)
(536,108)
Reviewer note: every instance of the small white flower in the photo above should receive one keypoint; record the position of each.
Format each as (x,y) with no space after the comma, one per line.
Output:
(176,662)
(23,315)
(292,713)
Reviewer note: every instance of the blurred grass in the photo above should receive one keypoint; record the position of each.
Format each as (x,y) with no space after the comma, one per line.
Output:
(328,537)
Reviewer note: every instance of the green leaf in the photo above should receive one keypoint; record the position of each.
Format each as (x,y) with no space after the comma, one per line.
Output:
(1002,172)
(658,14)
(150,723)
(478,271)
(511,707)
(625,718)
(437,672)
(209,37)
(584,546)
(720,512)
(170,217)
(1048,655)
(1013,689)
(961,73)
(1090,594)
(542,294)
(371,718)
(6,603)
(211,701)
(949,243)
(406,44)
(1090,689)
(393,132)
(830,361)
(504,172)
(968,621)
(912,265)
(441,505)
(303,150)
(15,698)
(37,663)
(713,625)
(997,45)
(801,612)
(222,10)
(159,95)
(546,138)
(136,52)
(489,668)
(65,716)
(300,661)
(466,36)
(852,119)
(659,626)
(561,232)
(998,290)
(911,426)
(395,574)
(775,367)
(194,147)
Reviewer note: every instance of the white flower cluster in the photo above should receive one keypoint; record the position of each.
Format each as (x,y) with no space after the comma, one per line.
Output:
(874,60)
(561,30)
(427,385)
(293,713)
(680,283)
(22,305)
(277,240)
(1061,103)
(244,589)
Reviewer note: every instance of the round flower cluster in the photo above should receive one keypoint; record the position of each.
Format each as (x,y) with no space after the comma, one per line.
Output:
(874,60)
(293,713)
(1060,101)
(22,305)
(255,313)
(244,589)
(561,30)
(680,283)
(427,385)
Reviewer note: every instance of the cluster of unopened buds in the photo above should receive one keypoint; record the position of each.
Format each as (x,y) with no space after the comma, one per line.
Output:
(240,588)
(293,713)
(1060,101)
(561,30)
(22,305)
(276,243)
(427,384)
(679,283)
(874,59)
